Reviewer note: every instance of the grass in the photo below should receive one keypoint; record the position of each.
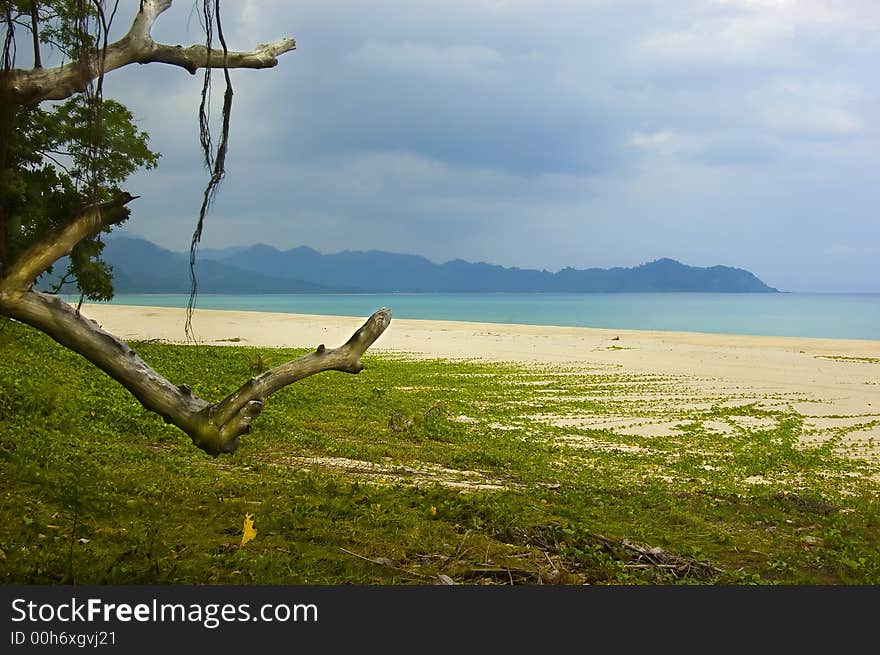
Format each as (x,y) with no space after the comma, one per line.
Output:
(409,471)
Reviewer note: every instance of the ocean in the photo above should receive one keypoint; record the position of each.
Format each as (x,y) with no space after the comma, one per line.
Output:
(843,316)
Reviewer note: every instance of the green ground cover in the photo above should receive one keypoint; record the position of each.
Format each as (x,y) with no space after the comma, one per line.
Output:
(414,472)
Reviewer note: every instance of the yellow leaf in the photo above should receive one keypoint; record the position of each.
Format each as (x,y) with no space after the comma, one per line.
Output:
(248,532)
(432,511)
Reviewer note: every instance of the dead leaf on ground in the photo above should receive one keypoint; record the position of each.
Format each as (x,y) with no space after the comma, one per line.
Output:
(248,531)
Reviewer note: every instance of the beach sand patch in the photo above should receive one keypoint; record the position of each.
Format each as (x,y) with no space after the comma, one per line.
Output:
(588,443)
(388,472)
(636,426)
(864,443)
(719,427)
(837,423)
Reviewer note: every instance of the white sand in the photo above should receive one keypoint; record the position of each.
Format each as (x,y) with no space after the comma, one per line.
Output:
(799,373)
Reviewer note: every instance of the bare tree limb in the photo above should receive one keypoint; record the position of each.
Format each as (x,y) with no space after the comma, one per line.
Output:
(215,428)
(50,314)
(194,57)
(346,358)
(22,273)
(22,86)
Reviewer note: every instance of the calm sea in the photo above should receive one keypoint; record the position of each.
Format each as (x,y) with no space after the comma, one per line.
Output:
(848,316)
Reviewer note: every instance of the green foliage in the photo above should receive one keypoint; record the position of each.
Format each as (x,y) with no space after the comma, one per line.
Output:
(72,28)
(61,159)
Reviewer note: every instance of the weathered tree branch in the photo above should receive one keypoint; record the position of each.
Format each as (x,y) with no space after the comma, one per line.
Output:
(215,428)
(194,57)
(23,86)
(22,273)
(346,358)
(50,314)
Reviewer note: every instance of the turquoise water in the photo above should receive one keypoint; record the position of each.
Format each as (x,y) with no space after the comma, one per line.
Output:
(848,316)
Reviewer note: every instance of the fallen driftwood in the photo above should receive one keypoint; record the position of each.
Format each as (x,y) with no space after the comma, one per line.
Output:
(560,567)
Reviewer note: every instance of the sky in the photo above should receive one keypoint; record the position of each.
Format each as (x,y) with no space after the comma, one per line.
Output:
(535,133)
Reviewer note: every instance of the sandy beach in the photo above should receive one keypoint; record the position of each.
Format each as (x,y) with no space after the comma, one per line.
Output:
(833,383)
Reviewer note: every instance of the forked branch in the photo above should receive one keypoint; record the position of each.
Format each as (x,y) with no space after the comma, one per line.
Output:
(43,253)
(23,86)
(215,428)
(236,411)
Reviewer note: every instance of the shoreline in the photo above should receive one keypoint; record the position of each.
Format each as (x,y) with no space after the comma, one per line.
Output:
(160,319)
(717,313)
(695,353)
(833,383)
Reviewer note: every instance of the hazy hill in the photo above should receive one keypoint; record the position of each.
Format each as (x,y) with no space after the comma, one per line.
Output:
(382,271)
(142,267)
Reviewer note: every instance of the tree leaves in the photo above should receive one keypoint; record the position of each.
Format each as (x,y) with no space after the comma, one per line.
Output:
(60,161)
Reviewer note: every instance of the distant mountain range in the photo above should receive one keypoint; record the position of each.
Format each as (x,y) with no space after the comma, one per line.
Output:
(142,267)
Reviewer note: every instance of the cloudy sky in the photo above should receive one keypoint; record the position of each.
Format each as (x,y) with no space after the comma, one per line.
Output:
(537,133)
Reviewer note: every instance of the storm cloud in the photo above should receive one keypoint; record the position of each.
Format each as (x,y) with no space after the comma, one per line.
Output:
(536,134)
